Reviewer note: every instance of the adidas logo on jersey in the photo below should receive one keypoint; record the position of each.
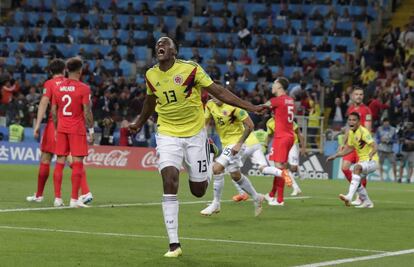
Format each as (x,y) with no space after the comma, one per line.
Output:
(312,169)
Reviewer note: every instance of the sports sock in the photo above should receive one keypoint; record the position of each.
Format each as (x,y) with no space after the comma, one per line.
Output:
(57,179)
(77,169)
(170,211)
(247,186)
(84,183)
(364,182)
(269,170)
(239,189)
(295,185)
(280,186)
(42,178)
(272,193)
(353,187)
(348,174)
(363,194)
(218,187)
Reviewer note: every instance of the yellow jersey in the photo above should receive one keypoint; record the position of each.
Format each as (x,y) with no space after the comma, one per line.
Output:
(178,92)
(360,140)
(228,120)
(270,125)
(252,140)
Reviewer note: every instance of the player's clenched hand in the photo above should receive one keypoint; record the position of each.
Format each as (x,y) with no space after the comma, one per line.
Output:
(91,138)
(331,158)
(261,109)
(134,128)
(36,132)
(235,149)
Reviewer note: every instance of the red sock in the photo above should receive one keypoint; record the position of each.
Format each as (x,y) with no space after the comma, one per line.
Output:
(84,183)
(273,192)
(42,178)
(280,189)
(348,174)
(364,182)
(57,179)
(77,169)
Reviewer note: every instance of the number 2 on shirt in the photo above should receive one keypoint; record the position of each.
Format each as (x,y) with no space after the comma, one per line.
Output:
(69,101)
(290,113)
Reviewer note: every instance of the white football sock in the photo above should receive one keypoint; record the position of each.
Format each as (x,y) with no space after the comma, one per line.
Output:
(170,211)
(272,171)
(295,185)
(239,189)
(218,187)
(247,186)
(353,186)
(363,194)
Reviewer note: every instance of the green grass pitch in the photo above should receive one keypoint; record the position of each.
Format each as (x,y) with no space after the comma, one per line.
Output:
(309,230)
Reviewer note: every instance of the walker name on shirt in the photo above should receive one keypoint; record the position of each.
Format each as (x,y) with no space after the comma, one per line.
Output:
(67,89)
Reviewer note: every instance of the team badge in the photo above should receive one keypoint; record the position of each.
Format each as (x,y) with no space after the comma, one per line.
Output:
(178,79)
(44,90)
(225,113)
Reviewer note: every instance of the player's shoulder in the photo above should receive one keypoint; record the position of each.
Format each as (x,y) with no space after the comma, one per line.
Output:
(187,63)
(210,103)
(153,69)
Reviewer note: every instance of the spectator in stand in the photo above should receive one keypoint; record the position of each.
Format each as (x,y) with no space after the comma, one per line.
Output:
(231,73)
(308,45)
(368,75)
(16,131)
(262,51)
(244,35)
(325,46)
(270,27)
(8,38)
(337,116)
(144,10)
(230,58)
(113,54)
(115,24)
(50,37)
(107,126)
(288,29)
(9,88)
(336,74)
(376,107)
(100,23)
(208,26)
(124,136)
(355,32)
(161,26)
(131,25)
(54,22)
(146,25)
(246,76)
(198,42)
(245,59)
(35,68)
(240,17)
(319,29)
(84,23)
(256,28)
(316,15)
(407,140)
(275,52)
(265,74)
(196,56)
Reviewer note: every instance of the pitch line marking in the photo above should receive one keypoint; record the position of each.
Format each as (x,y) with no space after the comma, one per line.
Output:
(124,205)
(34,229)
(363,258)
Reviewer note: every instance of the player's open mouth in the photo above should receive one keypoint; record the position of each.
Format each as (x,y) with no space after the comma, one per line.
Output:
(161,52)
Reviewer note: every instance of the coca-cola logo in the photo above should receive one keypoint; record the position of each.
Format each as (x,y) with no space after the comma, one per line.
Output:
(150,160)
(113,158)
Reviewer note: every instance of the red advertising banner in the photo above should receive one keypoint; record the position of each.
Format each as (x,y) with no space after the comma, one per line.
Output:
(121,157)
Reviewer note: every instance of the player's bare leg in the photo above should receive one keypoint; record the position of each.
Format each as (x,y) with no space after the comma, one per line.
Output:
(43,175)
(170,179)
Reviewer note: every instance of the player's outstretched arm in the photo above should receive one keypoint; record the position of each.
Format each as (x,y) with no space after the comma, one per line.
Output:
(248,128)
(44,102)
(147,110)
(228,97)
(345,151)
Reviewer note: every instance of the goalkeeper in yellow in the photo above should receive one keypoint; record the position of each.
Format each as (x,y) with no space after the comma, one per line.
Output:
(233,126)
(360,139)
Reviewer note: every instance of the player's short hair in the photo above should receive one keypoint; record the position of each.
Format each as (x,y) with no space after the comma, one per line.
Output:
(74,64)
(177,47)
(356,88)
(356,114)
(56,66)
(284,82)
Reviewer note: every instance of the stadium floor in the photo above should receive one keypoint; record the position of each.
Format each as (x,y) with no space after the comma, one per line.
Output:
(125,225)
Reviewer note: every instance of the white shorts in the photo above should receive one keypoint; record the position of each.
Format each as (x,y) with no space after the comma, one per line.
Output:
(293,157)
(192,152)
(255,154)
(368,166)
(228,161)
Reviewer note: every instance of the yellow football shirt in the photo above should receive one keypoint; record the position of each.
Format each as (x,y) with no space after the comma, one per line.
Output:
(228,121)
(270,125)
(252,140)
(360,140)
(178,92)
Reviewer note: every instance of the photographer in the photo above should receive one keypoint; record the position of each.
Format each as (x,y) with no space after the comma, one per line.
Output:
(407,158)
(107,126)
(385,136)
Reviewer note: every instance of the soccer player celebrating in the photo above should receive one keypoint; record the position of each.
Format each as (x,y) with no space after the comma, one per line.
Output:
(283,139)
(365,115)
(361,141)
(70,109)
(174,91)
(293,161)
(48,142)
(233,127)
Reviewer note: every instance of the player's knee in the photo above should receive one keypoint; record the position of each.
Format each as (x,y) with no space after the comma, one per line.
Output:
(357,169)
(235,176)
(198,189)
(293,168)
(217,169)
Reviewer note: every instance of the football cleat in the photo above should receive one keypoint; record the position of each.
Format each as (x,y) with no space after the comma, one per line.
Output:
(240,197)
(76,203)
(58,202)
(211,209)
(87,198)
(34,198)
(258,205)
(296,193)
(286,177)
(345,200)
(365,205)
(356,202)
(174,254)
(268,198)
(275,203)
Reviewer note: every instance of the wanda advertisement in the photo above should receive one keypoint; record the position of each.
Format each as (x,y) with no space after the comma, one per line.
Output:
(116,157)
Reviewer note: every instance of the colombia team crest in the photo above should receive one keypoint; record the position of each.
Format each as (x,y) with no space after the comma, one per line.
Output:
(178,79)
